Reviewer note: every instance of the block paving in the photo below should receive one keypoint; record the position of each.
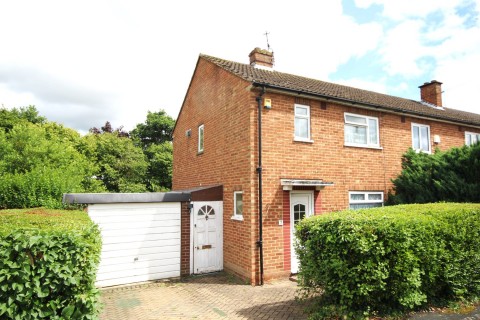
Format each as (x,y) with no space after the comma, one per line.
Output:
(221,296)
(217,296)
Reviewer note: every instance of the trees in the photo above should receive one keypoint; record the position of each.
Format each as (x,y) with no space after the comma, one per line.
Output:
(157,129)
(159,172)
(154,137)
(40,162)
(9,118)
(452,175)
(137,161)
(120,165)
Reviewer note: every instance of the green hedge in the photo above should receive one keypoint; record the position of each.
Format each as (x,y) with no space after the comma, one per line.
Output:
(391,259)
(48,263)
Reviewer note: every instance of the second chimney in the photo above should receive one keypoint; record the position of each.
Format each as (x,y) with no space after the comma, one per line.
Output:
(431,92)
(261,58)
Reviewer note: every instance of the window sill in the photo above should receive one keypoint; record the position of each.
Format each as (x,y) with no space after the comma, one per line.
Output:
(302,140)
(422,151)
(237,218)
(199,153)
(362,146)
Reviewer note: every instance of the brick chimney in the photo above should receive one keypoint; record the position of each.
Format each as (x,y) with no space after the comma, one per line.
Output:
(261,58)
(431,92)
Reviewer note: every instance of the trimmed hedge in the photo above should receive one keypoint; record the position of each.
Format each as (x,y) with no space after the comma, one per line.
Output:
(48,264)
(391,259)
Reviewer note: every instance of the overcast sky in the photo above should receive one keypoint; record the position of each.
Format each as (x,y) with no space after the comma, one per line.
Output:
(82,63)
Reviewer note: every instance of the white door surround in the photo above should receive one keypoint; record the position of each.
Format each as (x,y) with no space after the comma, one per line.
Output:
(207,239)
(301,206)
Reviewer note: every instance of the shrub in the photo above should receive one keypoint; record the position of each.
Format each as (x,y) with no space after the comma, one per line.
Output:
(391,259)
(48,264)
(453,176)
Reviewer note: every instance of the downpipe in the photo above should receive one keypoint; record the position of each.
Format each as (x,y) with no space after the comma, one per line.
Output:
(260,193)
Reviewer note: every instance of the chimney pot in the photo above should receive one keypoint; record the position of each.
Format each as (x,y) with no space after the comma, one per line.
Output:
(261,57)
(431,92)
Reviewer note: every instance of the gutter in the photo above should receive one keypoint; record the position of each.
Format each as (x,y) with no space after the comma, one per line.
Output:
(346,102)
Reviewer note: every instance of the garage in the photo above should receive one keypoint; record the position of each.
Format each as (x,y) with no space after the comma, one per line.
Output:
(141,241)
(148,236)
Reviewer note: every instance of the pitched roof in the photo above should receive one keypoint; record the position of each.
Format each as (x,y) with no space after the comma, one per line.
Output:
(298,84)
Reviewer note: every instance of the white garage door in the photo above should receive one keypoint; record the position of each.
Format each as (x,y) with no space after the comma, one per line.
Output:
(141,241)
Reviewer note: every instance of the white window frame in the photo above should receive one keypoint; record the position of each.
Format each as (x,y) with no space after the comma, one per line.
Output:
(420,137)
(367,126)
(201,138)
(297,138)
(472,134)
(366,201)
(236,215)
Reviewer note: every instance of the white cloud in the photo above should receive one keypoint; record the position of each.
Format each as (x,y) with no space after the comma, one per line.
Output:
(401,49)
(432,38)
(84,63)
(460,78)
(400,10)
(141,54)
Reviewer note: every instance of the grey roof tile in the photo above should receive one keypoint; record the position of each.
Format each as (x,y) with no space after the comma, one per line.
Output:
(330,90)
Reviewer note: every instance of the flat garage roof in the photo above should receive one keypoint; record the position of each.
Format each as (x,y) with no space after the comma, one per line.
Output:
(210,193)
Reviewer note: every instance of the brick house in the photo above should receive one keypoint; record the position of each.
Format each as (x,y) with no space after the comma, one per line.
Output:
(314,148)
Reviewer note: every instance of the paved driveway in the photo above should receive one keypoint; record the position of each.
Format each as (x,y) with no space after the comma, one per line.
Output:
(220,296)
(217,296)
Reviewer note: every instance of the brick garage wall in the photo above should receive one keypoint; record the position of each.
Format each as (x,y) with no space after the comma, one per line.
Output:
(221,102)
(185,239)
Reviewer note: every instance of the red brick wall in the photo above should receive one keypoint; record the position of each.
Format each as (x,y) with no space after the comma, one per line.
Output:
(223,104)
(185,239)
(349,168)
(226,106)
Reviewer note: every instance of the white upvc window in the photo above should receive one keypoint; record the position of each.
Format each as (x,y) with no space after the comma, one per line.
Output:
(361,131)
(302,122)
(200,138)
(421,137)
(365,199)
(238,205)
(471,138)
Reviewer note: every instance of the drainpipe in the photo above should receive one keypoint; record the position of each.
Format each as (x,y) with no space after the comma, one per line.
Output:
(259,171)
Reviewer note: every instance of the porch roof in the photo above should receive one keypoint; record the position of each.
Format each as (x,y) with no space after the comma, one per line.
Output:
(288,184)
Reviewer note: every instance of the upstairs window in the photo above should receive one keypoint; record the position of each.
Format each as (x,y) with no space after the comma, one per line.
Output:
(421,137)
(302,122)
(361,131)
(364,200)
(200,138)
(471,138)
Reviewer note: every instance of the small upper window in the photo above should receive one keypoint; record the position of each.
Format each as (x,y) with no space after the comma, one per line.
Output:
(471,138)
(364,200)
(238,205)
(302,122)
(421,137)
(361,131)
(200,138)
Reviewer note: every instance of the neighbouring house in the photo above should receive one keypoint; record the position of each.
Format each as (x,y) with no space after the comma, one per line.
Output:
(284,147)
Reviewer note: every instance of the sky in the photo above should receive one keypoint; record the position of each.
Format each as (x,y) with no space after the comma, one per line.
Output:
(82,63)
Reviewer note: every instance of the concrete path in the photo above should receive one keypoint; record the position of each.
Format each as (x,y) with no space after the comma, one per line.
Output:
(218,296)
